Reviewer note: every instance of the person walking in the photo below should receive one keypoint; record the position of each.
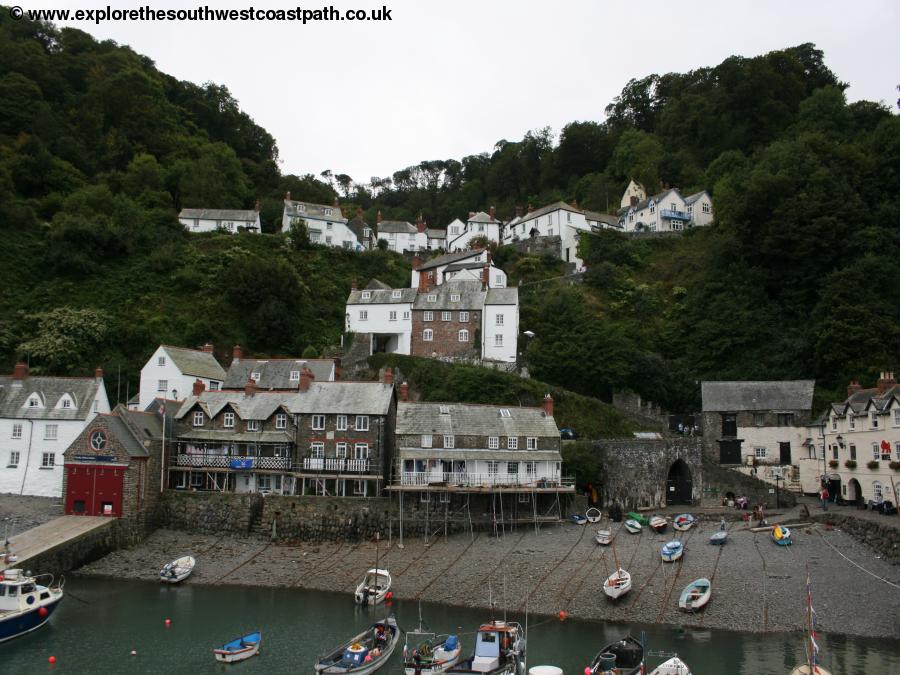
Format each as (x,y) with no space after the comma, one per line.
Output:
(824,495)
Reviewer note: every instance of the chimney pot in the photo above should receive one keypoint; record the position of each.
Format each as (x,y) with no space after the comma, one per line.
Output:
(420,223)
(237,354)
(250,388)
(98,373)
(423,282)
(353,284)
(853,387)
(389,375)
(208,348)
(404,391)
(306,378)
(199,387)
(886,381)
(20,371)
(548,405)
(493,212)
(519,210)
(337,370)
(378,217)
(471,215)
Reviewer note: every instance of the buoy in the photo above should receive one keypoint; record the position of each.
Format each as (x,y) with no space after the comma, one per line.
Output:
(168,622)
(52,659)
(42,612)
(587,670)
(134,652)
(390,594)
(562,615)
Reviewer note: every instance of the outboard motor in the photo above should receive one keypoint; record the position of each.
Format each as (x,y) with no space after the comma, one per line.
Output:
(607,662)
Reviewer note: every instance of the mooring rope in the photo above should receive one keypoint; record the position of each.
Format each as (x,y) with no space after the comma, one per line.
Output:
(853,562)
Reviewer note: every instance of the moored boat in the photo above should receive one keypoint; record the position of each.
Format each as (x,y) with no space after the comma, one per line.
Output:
(603,537)
(781,535)
(719,538)
(811,642)
(178,570)
(239,649)
(25,605)
(365,653)
(578,518)
(593,515)
(658,524)
(673,666)
(499,650)
(622,657)
(683,522)
(617,584)
(634,515)
(695,595)
(633,526)
(426,653)
(374,587)
(672,550)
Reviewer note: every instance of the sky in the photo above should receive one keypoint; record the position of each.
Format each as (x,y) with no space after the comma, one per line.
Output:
(448,78)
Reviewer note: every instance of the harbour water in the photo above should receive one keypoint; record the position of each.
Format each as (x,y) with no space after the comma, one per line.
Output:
(101,622)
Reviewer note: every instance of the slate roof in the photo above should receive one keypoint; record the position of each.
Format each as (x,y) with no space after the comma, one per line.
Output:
(358,226)
(448,258)
(14,395)
(397,226)
(482,217)
(471,296)
(549,208)
(694,197)
(602,217)
(236,436)
(435,234)
(764,395)
(219,214)
(314,211)
(376,285)
(473,420)
(455,267)
(864,398)
(382,296)
(195,362)
(502,296)
(276,373)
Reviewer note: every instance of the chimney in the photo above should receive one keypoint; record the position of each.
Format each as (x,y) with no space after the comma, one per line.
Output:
(306,377)
(530,209)
(416,262)
(257,207)
(519,210)
(353,284)
(634,200)
(287,196)
(378,217)
(389,375)
(249,388)
(338,371)
(548,405)
(574,203)
(886,381)
(493,213)
(20,371)
(471,215)
(423,282)
(98,374)
(404,391)
(237,354)
(208,348)
(199,387)
(337,202)
(420,224)
(486,275)
(853,387)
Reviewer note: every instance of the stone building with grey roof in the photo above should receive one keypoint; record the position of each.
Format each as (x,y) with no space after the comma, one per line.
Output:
(40,416)
(221,220)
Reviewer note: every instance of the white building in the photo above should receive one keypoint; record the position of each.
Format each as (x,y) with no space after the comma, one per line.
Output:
(667,211)
(634,193)
(500,325)
(170,373)
(437,239)
(39,418)
(855,444)
(222,220)
(402,235)
(478,225)
(325,225)
(384,315)
(464,265)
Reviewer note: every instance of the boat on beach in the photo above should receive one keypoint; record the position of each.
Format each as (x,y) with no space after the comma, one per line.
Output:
(578,518)
(633,526)
(672,550)
(499,650)
(365,653)
(426,653)
(781,535)
(178,570)
(617,584)
(593,515)
(683,522)
(603,537)
(622,657)
(239,649)
(673,666)
(695,595)
(658,524)
(642,520)
(25,605)
(719,538)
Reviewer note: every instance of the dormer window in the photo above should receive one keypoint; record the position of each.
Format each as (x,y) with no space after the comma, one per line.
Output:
(366,295)
(432,297)
(198,418)
(34,401)
(252,425)
(454,297)
(301,207)
(66,402)
(255,376)
(295,376)
(445,410)
(327,212)
(396,294)
(504,412)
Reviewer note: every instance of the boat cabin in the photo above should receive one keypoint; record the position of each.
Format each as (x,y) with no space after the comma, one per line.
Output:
(19,592)
(493,644)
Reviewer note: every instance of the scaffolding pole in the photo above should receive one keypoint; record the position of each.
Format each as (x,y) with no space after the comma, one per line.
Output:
(401,518)
(534,509)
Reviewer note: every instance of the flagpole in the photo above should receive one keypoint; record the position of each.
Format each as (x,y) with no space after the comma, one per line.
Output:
(162,458)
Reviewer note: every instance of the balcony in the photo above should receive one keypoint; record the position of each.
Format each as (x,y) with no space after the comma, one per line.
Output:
(675,215)
(469,480)
(336,465)
(237,462)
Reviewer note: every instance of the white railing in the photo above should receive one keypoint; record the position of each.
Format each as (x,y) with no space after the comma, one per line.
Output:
(224,461)
(336,464)
(464,479)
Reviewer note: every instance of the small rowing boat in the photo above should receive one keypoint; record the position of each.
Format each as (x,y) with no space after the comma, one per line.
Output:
(658,524)
(177,570)
(781,535)
(673,666)
(239,649)
(593,515)
(623,657)
(374,587)
(578,519)
(683,522)
(365,653)
(672,550)
(719,538)
(633,526)
(634,515)
(617,584)
(603,537)
(695,595)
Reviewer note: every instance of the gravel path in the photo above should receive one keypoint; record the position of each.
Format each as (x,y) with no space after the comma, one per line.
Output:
(757,586)
(25,512)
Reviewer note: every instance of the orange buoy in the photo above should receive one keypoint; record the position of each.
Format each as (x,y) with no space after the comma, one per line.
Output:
(562,615)
(42,612)
(168,622)
(52,659)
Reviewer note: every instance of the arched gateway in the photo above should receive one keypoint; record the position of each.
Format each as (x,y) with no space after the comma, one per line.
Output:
(679,486)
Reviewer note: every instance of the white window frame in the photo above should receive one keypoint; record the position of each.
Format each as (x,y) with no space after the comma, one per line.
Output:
(161,361)
(14,458)
(361,451)
(199,418)
(406,316)
(362,423)
(428,316)
(897,417)
(463,335)
(427,440)
(504,412)
(454,297)
(17,430)
(162,385)
(392,315)
(363,315)
(48,460)
(493,442)
(317,450)
(228,420)
(359,487)
(446,316)
(530,468)
(876,451)
(295,376)
(874,420)
(213,385)
(492,467)
(340,450)
(531,443)
(317,422)
(427,335)
(851,422)
(833,423)
(449,441)
(280,420)
(498,320)
(498,340)
(252,425)
(396,294)
(512,443)
(431,297)
(341,423)
(366,295)
(464,317)
(512,468)
(760,453)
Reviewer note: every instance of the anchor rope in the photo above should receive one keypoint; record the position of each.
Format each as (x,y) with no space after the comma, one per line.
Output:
(853,562)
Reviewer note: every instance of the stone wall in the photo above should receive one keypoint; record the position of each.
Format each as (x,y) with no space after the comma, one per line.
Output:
(539,245)
(647,412)
(883,538)
(209,512)
(722,481)
(635,471)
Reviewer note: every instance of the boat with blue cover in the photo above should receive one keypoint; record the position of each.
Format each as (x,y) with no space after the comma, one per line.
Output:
(25,605)
(239,649)
(365,653)
(781,535)
(683,522)
(578,518)
(695,595)
(672,550)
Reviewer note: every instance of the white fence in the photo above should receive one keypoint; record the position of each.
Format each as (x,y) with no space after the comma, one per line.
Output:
(464,479)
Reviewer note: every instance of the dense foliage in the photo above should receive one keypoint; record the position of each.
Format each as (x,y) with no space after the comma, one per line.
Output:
(99,150)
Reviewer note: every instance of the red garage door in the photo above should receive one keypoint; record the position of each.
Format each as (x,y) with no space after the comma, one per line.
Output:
(94,490)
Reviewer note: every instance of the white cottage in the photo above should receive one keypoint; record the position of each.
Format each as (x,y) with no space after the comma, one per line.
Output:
(667,211)
(40,416)
(478,225)
(325,225)
(221,220)
(170,373)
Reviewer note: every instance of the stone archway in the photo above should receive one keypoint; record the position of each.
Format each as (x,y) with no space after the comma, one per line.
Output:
(679,485)
(854,492)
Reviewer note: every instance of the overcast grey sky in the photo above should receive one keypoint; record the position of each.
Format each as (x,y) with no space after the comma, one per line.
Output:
(449,78)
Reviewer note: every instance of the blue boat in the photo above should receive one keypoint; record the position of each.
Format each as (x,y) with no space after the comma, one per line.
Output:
(239,649)
(578,518)
(25,605)
(672,550)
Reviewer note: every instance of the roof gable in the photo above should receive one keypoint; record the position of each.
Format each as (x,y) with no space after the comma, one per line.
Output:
(738,396)
(195,362)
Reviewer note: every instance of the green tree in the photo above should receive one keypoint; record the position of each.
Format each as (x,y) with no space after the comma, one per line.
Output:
(67,340)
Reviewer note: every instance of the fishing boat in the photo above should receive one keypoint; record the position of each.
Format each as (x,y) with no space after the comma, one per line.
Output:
(239,649)
(426,653)
(623,657)
(578,518)
(634,515)
(695,595)
(672,550)
(178,570)
(719,538)
(781,535)
(374,587)
(603,537)
(617,584)
(365,653)
(25,605)
(811,667)
(593,515)
(673,666)
(658,524)
(499,650)
(633,526)
(684,522)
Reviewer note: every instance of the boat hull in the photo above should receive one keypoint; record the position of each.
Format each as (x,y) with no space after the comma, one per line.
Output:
(695,595)
(719,538)
(593,515)
(235,656)
(603,537)
(633,526)
(617,584)
(442,664)
(17,624)
(805,670)
(332,665)
(673,666)
(671,553)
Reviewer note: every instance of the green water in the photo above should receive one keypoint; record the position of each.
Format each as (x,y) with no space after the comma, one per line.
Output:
(100,622)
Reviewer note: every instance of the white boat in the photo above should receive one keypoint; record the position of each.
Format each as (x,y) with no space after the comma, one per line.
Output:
(617,584)
(811,645)
(374,587)
(177,570)
(239,649)
(365,653)
(25,605)
(658,524)
(425,653)
(695,595)
(672,550)
(673,666)
(603,537)
(593,515)
(719,538)
(633,526)
(499,650)
(683,522)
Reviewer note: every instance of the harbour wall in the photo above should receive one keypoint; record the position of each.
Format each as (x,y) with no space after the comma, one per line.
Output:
(883,538)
